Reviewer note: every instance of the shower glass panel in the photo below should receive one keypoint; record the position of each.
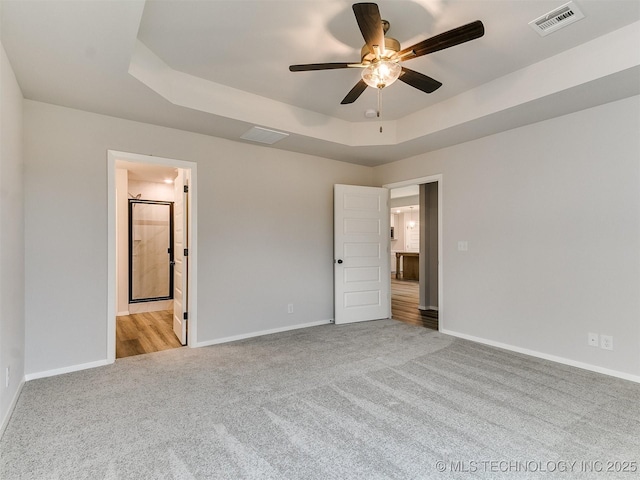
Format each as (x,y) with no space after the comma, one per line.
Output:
(150,250)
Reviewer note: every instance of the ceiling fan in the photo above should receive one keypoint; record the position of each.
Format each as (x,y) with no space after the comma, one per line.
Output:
(381,56)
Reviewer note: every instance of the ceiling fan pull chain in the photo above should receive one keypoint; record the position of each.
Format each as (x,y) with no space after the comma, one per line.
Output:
(380,105)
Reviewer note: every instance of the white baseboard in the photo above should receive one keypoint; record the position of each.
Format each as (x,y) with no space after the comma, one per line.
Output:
(546,356)
(235,338)
(122,314)
(12,406)
(102,363)
(72,368)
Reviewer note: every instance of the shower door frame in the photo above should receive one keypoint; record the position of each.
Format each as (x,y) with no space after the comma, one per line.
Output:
(170,252)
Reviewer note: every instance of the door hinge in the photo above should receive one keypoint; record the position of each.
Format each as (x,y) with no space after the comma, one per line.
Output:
(186,189)
(186,252)
(185,316)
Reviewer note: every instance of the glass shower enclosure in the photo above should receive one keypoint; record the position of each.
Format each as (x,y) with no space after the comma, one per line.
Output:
(150,250)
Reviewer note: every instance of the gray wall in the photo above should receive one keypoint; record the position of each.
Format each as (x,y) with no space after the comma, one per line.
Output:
(265,231)
(551,213)
(429,245)
(11,239)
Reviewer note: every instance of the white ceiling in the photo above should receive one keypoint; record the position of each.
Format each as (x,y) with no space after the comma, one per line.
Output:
(220,67)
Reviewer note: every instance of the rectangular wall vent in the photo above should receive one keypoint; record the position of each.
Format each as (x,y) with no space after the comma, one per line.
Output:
(264,135)
(557,19)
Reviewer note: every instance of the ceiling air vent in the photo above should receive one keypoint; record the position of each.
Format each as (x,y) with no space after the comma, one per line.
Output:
(557,19)
(264,135)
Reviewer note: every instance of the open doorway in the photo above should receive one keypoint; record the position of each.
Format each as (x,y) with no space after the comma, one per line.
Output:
(415,215)
(152,252)
(145,272)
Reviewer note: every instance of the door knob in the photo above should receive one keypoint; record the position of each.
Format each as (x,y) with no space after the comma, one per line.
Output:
(339,261)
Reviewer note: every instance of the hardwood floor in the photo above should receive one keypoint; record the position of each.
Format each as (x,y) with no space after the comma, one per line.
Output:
(153,331)
(145,333)
(405,299)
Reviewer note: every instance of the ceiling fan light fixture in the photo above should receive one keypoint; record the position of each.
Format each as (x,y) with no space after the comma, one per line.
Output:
(381,74)
(380,57)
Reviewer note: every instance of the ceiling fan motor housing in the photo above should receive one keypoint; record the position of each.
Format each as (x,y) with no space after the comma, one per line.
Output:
(391,46)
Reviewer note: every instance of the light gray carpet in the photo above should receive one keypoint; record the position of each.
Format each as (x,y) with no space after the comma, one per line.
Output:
(376,400)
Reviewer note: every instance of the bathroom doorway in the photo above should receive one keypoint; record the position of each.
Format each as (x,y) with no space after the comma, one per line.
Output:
(150,237)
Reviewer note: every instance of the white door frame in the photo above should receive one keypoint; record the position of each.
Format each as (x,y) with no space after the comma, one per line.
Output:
(112,156)
(439,180)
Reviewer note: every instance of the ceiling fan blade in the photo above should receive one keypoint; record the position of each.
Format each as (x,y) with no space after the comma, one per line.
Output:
(419,80)
(318,66)
(370,23)
(459,35)
(355,92)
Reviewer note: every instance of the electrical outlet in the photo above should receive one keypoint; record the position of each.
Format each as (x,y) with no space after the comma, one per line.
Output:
(6,382)
(463,246)
(290,308)
(593,340)
(606,342)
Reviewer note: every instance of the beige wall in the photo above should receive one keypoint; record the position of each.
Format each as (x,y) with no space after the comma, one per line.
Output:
(122,241)
(257,251)
(551,214)
(151,190)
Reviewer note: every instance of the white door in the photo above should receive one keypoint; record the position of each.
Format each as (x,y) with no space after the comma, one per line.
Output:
(361,250)
(181,246)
